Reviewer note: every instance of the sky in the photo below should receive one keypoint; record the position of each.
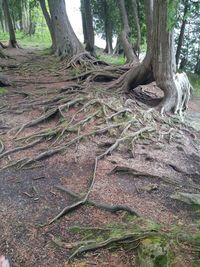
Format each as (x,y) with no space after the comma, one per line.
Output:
(73,12)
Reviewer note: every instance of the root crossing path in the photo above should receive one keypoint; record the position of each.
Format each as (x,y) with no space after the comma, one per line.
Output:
(75,154)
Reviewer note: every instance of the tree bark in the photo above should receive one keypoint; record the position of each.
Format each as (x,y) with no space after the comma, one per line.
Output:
(197,66)
(182,31)
(48,22)
(159,63)
(67,44)
(88,29)
(125,35)
(108,28)
(137,23)
(12,37)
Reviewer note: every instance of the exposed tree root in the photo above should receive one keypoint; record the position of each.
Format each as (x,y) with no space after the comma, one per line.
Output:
(2,147)
(108,151)
(44,117)
(133,237)
(113,208)
(3,46)
(84,61)
(17,149)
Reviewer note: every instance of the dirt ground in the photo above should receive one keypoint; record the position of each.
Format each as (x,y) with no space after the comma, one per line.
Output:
(29,196)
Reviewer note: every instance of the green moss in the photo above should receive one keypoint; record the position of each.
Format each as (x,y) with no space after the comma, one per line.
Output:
(3,91)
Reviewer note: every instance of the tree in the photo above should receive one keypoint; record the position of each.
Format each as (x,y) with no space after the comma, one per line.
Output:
(48,22)
(137,23)
(66,43)
(159,63)
(88,30)
(12,37)
(197,66)
(182,31)
(106,21)
(125,34)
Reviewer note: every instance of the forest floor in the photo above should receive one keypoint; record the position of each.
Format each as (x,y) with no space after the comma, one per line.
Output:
(147,172)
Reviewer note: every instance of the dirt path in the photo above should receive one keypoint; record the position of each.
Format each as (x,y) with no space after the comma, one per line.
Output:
(29,196)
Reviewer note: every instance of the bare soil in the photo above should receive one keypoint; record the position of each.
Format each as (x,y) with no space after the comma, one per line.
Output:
(29,197)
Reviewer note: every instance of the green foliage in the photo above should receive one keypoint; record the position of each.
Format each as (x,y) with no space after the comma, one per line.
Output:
(195,81)
(172,7)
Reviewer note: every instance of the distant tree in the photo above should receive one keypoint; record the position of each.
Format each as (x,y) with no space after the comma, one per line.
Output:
(12,37)
(48,22)
(87,23)
(182,30)
(126,34)
(197,66)
(137,25)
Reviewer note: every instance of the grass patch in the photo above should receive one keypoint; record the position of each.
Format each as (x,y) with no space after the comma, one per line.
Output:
(41,39)
(112,59)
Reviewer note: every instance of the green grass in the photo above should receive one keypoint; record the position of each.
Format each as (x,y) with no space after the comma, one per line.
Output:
(112,59)
(41,39)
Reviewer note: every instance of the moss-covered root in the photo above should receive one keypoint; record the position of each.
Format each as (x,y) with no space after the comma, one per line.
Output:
(154,252)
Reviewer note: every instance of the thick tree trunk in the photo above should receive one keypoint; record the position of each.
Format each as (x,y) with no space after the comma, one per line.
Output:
(182,31)
(67,44)
(88,29)
(137,24)
(12,38)
(159,63)
(125,35)
(48,22)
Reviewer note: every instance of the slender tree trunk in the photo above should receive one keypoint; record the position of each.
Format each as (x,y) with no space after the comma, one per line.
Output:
(88,29)
(108,28)
(125,35)
(12,40)
(159,63)
(2,24)
(197,66)
(137,23)
(67,44)
(25,18)
(182,31)
(20,17)
(48,22)
(83,23)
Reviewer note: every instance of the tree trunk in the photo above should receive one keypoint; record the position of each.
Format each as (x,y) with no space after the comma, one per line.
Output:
(182,31)
(20,16)
(12,38)
(137,23)
(48,22)
(2,24)
(159,63)
(108,29)
(125,35)
(197,67)
(67,44)
(88,29)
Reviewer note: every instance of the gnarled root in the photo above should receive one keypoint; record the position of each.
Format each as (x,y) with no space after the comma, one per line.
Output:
(84,61)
